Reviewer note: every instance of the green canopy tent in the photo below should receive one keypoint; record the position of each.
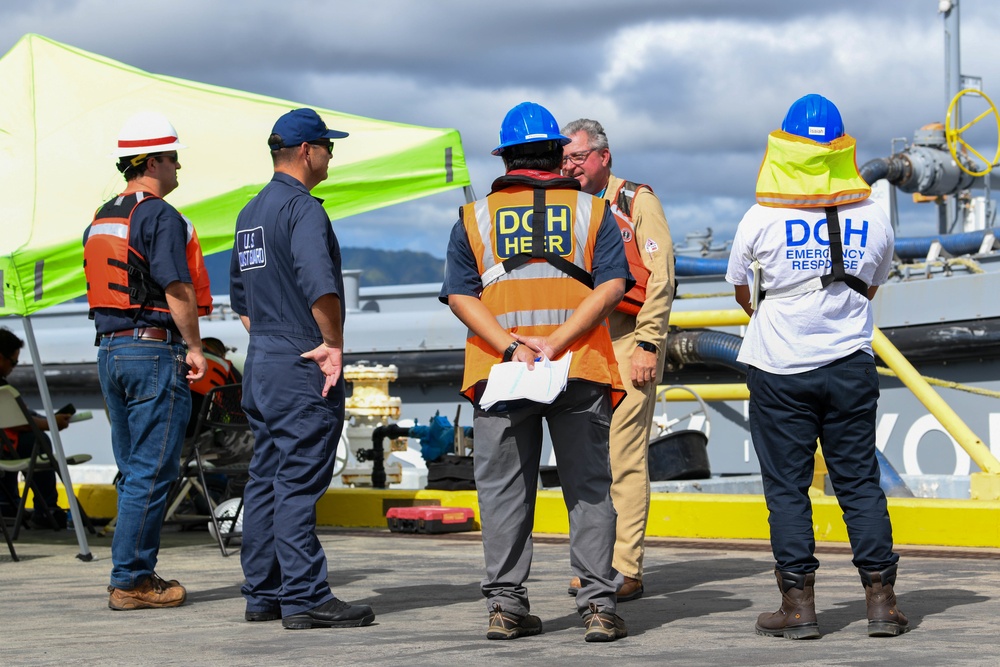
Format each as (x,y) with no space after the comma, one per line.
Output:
(59,122)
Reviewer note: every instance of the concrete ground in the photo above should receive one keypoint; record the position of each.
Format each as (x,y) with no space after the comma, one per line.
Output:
(701,600)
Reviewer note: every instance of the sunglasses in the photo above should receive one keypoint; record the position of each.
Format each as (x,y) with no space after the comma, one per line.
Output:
(328,145)
(166,156)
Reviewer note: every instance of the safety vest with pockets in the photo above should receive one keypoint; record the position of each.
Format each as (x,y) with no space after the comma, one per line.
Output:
(119,277)
(533,240)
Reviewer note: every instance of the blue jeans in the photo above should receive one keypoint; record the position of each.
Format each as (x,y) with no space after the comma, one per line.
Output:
(149,404)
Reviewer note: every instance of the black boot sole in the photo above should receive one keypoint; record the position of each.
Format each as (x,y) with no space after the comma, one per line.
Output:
(808,631)
(307,622)
(886,629)
(262,616)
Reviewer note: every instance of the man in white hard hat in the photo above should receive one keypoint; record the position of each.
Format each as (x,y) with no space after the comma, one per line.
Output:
(146,287)
(638,328)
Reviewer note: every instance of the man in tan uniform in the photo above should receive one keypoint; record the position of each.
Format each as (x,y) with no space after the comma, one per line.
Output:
(639,334)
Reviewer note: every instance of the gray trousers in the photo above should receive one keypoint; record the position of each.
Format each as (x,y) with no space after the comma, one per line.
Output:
(508,447)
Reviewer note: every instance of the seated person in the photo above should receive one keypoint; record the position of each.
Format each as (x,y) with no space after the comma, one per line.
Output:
(17,443)
(220,372)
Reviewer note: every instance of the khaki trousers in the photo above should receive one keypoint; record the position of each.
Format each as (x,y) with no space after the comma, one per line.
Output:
(630,427)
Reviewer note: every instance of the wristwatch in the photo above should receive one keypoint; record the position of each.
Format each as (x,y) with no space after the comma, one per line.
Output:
(509,352)
(649,347)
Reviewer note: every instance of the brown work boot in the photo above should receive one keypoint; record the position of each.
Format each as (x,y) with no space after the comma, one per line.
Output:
(884,618)
(152,593)
(796,619)
(603,626)
(631,589)
(574,586)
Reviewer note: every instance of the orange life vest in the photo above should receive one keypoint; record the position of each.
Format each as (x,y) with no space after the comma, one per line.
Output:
(537,297)
(219,373)
(118,276)
(621,206)
(11,443)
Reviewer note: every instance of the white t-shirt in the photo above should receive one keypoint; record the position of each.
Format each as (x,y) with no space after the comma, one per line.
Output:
(799,333)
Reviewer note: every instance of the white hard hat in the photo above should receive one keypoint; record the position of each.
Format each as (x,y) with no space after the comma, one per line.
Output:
(147,132)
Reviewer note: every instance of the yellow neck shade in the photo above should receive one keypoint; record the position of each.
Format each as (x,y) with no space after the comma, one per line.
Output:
(799,172)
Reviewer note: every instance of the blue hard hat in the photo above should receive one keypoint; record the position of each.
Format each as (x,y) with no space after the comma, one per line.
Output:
(527,123)
(814,117)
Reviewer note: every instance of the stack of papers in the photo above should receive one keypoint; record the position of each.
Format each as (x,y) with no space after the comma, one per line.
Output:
(513,381)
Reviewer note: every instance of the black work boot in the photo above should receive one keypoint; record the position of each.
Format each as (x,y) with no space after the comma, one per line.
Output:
(884,618)
(796,619)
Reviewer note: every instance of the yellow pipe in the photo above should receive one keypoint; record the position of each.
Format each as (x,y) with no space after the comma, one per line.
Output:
(952,423)
(708,392)
(689,319)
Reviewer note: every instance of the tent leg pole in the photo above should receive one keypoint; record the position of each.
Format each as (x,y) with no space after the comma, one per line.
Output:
(43,390)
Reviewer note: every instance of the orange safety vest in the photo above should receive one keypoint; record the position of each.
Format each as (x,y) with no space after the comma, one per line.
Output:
(118,276)
(14,438)
(621,206)
(537,297)
(219,373)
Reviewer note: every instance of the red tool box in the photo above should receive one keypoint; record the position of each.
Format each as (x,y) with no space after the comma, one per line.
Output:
(430,519)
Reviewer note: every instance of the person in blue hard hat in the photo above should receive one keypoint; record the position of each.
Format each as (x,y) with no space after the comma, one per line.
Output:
(533,270)
(287,287)
(823,247)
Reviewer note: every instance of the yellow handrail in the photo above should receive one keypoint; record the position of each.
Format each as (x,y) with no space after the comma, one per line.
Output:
(937,406)
(892,357)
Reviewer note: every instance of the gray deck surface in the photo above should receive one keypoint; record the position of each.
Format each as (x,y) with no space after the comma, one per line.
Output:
(701,600)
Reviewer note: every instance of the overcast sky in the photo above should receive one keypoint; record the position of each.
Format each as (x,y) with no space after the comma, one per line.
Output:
(687,91)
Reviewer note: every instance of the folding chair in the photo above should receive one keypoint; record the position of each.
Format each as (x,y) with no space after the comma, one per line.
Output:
(222,444)
(15,414)
(6,535)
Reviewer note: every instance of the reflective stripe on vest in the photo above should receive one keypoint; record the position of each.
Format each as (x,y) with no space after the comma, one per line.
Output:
(118,277)
(500,225)
(800,173)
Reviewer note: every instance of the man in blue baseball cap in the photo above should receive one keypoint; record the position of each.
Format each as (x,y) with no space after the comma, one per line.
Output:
(298,127)
(287,286)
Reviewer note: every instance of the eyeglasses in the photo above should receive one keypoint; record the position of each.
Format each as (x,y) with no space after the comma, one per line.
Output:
(328,145)
(578,158)
(166,156)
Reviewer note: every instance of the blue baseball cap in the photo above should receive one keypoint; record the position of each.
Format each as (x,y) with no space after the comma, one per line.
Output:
(302,126)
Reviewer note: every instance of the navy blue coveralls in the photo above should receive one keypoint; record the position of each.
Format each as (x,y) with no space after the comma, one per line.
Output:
(286,257)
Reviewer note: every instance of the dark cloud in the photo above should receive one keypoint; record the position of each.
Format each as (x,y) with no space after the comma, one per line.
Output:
(688,90)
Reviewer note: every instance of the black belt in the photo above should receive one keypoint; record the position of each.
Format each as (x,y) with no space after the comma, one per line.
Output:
(143,333)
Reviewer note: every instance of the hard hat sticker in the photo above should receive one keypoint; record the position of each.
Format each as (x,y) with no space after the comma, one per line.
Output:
(250,248)
(817,130)
(512,230)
